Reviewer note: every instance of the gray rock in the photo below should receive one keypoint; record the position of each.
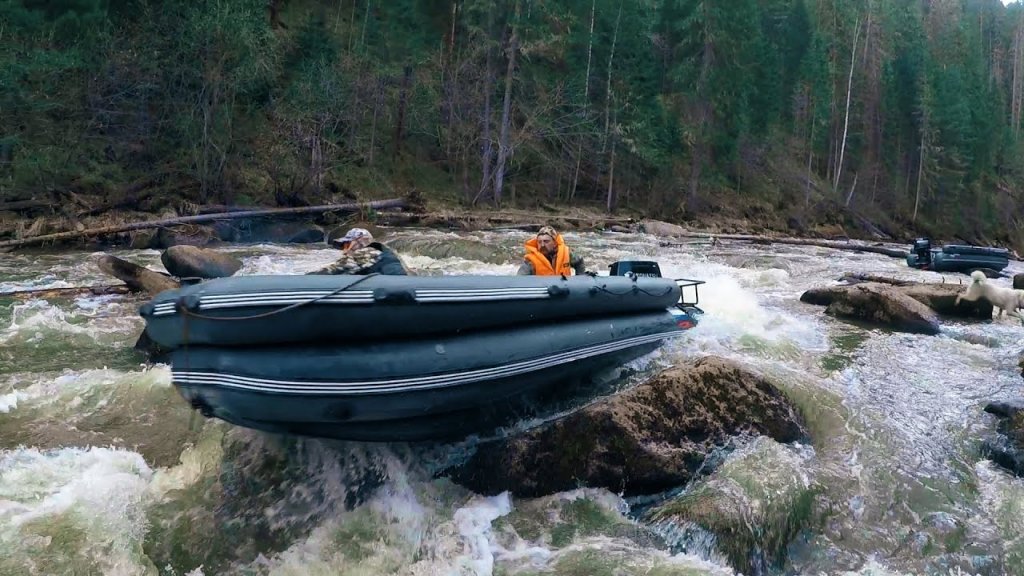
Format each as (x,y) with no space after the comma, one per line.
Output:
(194,262)
(940,298)
(883,305)
(645,440)
(659,228)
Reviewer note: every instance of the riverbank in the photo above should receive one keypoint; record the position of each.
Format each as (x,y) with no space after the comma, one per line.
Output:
(170,224)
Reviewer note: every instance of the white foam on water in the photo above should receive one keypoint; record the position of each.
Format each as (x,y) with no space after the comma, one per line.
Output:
(9,401)
(473,521)
(71,395)
(99,493)
(100,319)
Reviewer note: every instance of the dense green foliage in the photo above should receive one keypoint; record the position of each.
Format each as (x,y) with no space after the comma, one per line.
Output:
(907,108)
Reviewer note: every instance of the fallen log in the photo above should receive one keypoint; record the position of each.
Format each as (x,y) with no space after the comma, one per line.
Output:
(526,222)
(137,278)
(70,291)
(352,207)
(835,245)
(17,205)
(854,277)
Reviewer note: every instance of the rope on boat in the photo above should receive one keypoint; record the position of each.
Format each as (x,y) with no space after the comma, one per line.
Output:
(187,312)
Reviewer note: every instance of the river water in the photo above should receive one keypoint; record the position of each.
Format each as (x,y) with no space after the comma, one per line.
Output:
(105,470)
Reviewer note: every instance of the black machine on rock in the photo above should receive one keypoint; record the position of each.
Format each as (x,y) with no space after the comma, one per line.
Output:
(386,358)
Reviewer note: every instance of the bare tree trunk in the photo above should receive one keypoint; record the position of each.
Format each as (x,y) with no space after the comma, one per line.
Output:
(849,90)
(274,8)
(377,97)
(810,159)
(852,188)
(488,152)
(703,114)
(366,19)
(506,112)
(586,100)
(449,79)
(352,26)
(402,102)
(920,171)
(610,200)
(1017,83)
(608,88)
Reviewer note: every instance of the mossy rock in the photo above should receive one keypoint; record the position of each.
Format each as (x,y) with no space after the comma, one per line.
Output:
(755,504)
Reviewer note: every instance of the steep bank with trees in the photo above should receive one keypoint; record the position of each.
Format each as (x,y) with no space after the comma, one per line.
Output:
(807,115)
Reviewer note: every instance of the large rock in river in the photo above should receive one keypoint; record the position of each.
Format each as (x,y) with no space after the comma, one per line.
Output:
(193,262)
(659,228)
(1007,448)
(644,440)
(940,298)
(880,304)
(755,504)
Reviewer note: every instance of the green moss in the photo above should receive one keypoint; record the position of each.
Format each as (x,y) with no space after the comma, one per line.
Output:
(587,562)
(582,517)
(358,535)
(756,504)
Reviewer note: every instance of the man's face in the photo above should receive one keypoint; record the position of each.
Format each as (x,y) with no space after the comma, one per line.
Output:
(546,244)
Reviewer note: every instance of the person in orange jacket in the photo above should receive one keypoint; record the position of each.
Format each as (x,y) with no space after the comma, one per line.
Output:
(547,255)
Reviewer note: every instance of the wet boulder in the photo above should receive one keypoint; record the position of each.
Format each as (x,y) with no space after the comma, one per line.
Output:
(942,299)
(641,441)
(754,504)
(465,248)
(659,228)
(138,278)
(938,297)
(194,262)
(1007,447)
(885,306)
(190,235)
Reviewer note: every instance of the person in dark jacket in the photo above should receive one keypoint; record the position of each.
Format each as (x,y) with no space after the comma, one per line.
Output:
(361,255)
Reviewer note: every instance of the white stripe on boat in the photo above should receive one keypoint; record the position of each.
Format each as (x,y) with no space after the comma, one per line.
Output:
(413,383)
(215,301)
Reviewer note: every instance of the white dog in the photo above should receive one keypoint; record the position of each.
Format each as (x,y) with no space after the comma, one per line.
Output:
(1007,300)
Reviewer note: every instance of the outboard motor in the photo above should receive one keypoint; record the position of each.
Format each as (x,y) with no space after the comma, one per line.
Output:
(923,249)
(635,268)
(685,311)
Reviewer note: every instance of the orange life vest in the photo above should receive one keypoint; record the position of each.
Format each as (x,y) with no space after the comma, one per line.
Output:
(541,264)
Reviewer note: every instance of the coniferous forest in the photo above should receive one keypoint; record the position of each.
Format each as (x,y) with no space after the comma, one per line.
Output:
(904,113)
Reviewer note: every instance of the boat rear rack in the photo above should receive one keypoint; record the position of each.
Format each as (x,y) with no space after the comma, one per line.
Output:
(683,284)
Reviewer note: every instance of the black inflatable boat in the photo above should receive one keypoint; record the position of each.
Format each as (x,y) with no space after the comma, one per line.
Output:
(254,310)
(385,358)
(956,257)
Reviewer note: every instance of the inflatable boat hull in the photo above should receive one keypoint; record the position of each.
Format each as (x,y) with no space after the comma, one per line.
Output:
(421,389)
(943,261)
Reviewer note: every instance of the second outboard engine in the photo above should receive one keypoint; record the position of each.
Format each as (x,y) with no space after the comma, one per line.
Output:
(923,250)
(685,311)
(635,268)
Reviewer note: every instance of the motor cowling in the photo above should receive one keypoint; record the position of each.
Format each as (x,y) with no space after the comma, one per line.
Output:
(923,250)
(636,268)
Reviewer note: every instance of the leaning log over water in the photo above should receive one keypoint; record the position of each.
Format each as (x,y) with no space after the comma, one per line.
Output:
(137,278)
(351,207)
(67,292)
